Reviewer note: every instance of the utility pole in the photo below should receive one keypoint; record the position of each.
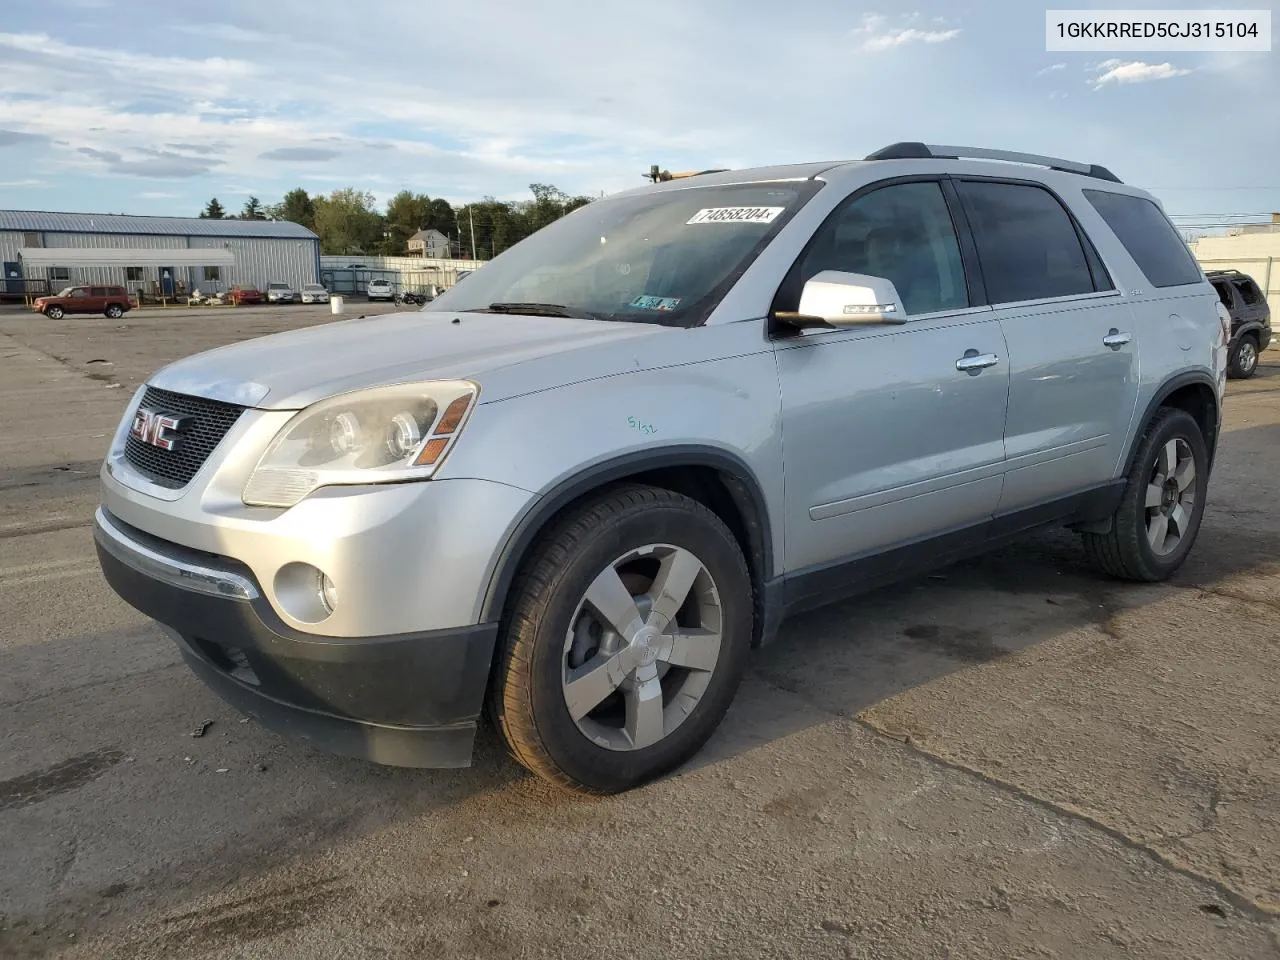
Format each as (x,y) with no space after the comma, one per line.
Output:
(472,217)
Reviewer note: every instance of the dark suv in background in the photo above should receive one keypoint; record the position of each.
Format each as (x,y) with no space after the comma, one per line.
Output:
(1250,319)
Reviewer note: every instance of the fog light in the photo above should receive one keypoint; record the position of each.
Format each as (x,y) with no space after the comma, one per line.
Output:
(328,592)
(305,592)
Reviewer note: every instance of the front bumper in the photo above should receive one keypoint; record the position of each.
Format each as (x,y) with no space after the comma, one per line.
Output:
(405,700)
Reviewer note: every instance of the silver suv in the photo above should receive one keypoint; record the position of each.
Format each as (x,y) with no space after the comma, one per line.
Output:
(573,491)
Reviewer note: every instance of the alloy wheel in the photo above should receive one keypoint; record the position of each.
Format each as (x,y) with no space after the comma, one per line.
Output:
(1171,496)
(642,647)
(1246,356)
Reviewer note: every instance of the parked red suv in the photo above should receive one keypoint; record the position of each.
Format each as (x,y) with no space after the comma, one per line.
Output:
(112,301)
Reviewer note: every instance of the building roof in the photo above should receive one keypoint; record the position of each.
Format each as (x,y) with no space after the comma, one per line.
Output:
(38,220)
(432,234)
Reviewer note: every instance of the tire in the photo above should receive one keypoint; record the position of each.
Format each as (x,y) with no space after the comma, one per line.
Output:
(549,625)
(114,311)
(1244,358)
(54,313)
(1131,550)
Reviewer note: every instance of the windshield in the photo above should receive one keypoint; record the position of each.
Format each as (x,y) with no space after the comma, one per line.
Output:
(65,292)
(279,286)
(666,257)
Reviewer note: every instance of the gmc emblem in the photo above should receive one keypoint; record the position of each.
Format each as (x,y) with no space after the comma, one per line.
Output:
(157,429)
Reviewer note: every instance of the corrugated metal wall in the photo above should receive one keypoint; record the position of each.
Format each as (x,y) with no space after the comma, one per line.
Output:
(263,261)
(259,261)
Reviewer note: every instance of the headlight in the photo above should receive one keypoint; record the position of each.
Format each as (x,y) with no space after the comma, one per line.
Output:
(382,435)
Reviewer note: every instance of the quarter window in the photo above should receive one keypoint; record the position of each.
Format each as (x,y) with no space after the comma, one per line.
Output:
(1148,236)
(902,233)
(1027,243)
(1250,292)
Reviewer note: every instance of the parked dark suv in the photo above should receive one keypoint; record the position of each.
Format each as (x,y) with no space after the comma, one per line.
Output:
(111,301)
(1250,319)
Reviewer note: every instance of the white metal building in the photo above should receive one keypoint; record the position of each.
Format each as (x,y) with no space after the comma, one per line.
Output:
(167,256)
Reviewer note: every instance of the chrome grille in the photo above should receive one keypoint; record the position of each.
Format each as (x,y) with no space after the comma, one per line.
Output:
(207,422)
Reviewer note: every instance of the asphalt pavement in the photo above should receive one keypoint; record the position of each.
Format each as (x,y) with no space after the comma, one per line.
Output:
(1012,757)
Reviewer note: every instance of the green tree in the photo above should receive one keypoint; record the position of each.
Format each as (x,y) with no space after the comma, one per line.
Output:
(407,213)
(347,222)
(212,210)
(253,210)
(296,206)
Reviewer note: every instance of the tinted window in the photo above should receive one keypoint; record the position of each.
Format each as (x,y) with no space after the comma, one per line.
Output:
(1027,244)
(1224,294)
(902,233)
(98,291)
(1148,236)
(1249,290)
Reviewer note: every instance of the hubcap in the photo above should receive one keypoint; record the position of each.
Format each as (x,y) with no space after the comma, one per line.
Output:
(1171,497)
(641,647)
(1248,356)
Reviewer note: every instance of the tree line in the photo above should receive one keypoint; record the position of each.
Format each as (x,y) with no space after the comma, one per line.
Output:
(348,222)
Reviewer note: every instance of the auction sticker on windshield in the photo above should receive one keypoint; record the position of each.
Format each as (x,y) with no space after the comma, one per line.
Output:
(655,303)
(736,215)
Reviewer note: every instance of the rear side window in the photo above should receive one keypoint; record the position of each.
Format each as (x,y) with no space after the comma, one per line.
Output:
(1027,243)
(1250,292)
(1223,291)
(1149,237)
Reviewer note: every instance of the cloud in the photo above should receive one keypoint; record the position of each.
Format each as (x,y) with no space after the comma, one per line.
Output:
(301,154)
(205,149)
(161,164)
(159,195)
(13,138)
(1052,68)
(875,34)
(23,183)
(1135,71)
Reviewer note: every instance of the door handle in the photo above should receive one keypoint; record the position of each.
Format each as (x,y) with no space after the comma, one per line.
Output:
(973,362)
(1115,339)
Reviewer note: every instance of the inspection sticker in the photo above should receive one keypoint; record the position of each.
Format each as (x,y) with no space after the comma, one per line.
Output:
(736,215)
(655,303)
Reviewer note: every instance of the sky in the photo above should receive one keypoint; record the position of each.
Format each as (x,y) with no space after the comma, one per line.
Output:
(152,108)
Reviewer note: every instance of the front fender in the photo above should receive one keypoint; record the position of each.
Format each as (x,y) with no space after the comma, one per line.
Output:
(564,442)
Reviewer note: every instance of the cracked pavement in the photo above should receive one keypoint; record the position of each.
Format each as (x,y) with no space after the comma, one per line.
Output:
(1012,757)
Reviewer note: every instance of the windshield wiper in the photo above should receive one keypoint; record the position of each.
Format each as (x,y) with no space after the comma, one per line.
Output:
(543,310)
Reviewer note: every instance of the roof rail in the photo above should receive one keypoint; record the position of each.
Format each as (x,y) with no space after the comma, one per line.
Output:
(913,150)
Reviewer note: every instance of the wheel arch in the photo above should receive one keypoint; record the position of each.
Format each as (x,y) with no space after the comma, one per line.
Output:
(1192,391)
(717,478)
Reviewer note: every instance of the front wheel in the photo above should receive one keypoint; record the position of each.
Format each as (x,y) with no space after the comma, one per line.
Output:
(1163,502)
(624,642)
(54,313)
(1244,359)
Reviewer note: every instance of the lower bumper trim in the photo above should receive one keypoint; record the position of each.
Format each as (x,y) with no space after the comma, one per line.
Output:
(436,747)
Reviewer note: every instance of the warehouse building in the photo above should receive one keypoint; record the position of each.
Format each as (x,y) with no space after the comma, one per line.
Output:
(152,256)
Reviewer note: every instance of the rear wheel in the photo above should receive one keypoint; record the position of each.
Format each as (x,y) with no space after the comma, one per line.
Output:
(625,641)
(1244,358)
(54,313)
(1160,511)
(115,311)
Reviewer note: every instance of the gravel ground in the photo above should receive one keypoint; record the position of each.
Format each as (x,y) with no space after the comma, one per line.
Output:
(1013,757)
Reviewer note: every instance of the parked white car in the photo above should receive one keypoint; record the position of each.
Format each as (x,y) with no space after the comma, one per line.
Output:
(380,290)
(279,293)
(314,293)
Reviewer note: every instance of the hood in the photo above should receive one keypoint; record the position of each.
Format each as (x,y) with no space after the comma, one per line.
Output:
(288,371)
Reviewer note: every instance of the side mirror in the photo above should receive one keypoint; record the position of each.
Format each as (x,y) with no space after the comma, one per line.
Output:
(835,299)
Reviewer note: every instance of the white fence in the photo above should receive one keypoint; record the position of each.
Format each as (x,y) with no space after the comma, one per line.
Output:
(351,274)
